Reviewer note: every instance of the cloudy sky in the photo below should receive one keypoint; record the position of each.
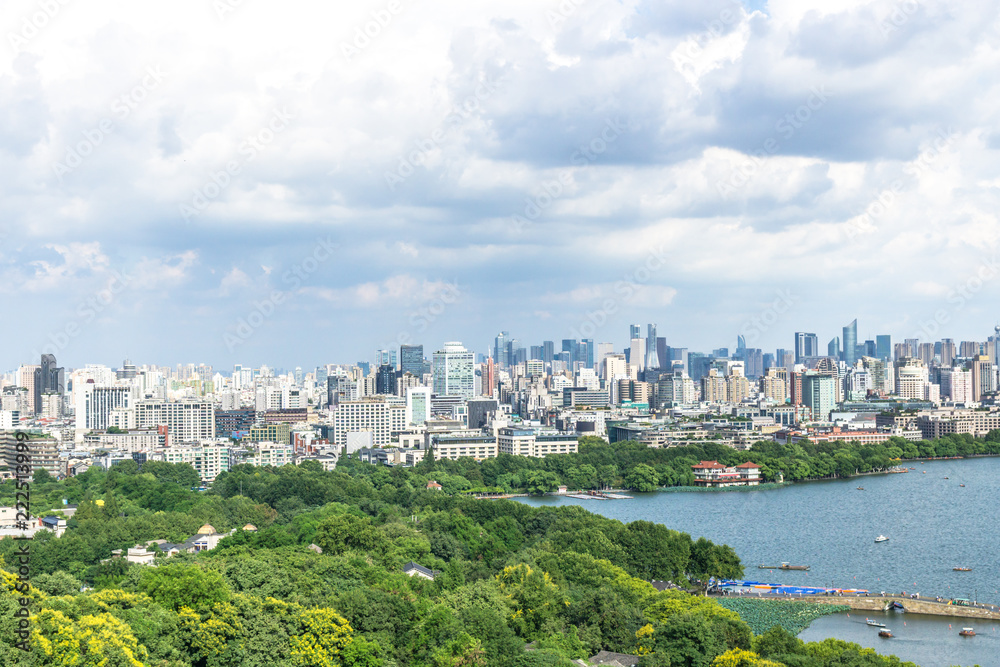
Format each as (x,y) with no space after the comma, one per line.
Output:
(240,181)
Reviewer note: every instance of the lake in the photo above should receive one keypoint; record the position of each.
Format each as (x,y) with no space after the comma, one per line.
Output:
(932,523)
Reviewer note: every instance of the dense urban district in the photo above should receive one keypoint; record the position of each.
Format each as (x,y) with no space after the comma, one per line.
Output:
(182,517)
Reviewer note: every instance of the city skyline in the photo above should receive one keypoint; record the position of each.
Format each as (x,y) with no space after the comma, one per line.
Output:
(884,342)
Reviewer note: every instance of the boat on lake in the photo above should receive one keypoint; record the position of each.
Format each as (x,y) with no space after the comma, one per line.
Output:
(962,569)
(881,538)
(861,488)
(783,566)
(962,485)
(873,623)
(884,633)
(967,632)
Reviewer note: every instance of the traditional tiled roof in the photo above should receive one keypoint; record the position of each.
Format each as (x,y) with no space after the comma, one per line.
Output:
(709,465)
(411,566)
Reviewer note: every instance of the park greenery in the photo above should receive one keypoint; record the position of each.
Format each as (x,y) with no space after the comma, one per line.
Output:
(515,585)
(633,465)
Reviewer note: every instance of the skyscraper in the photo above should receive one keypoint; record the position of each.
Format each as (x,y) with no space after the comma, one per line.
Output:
(453,371)
(983,377)
(851,343)
(500,350)
(383,357)
(806,345)
(411,359)
(49,379)
(634,331)
(385,380)
(652,358)
(833,348)
(818,393)
(947,352)
(883,347)
(548,351)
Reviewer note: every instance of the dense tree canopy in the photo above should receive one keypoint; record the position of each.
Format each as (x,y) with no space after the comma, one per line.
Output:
(568,582)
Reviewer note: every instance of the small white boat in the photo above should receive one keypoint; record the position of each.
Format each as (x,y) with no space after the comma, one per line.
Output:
(881,538)
(874,624)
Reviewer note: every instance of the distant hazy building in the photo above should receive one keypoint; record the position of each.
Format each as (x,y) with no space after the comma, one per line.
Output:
(851,343)
(806,345)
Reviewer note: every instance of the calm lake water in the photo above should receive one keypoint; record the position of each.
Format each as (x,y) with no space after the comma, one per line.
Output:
(932,523)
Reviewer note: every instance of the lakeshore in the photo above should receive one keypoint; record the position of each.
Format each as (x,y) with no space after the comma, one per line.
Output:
(933,525)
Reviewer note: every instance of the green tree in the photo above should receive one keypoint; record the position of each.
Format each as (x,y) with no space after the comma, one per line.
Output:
(642,478)
(176,586)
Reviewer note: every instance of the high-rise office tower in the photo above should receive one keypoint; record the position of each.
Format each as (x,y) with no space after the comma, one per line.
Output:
(548,351)
(570,345)
(49,379)
(634,331)
(851,343)
(411,360)
(868,349)
(925,352)
(833,348)
(770,361)
(806,345)
(818,393)
(753,362)
(385,380)
(652,358)
(911,346)
(453,371)
(969,349)
(603,350)
(947,352)
(536,352)
(637,354)
(385,357)
(983,377)
(489,378)
(883,347)
(500,350)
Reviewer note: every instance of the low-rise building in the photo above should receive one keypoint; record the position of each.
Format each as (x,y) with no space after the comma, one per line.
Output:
(714,474)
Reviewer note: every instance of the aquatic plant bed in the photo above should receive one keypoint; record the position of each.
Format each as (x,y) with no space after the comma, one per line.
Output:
(762,615)
(705,489)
